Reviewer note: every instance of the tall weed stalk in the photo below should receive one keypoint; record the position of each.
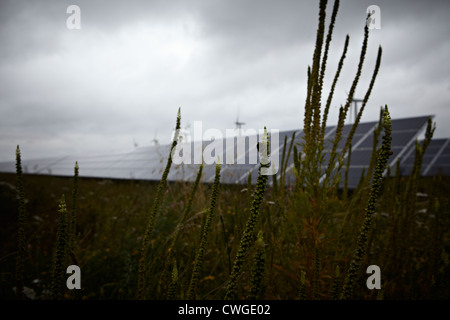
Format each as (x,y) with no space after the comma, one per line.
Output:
(156,204)
(361,245)
(58,283)
(247,237)
(22,247)
(204,236)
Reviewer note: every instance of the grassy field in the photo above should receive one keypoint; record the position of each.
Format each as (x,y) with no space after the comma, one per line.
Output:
(112,216)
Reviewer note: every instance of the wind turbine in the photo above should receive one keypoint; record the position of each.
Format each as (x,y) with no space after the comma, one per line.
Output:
(155,141)
(355,105)
(239,124)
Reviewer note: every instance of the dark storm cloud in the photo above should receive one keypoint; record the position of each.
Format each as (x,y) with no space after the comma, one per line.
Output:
(133,63)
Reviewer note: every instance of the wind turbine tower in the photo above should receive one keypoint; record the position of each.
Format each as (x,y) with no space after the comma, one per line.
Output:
(355,106)
(239,125)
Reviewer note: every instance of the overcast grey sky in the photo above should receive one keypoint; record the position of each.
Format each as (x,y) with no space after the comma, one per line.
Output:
(122,77)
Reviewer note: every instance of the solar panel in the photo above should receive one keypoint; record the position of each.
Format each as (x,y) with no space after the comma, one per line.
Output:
(404,133)
(241,158)
(438,158)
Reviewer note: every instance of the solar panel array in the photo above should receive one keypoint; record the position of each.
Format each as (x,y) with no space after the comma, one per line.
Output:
(148,163)
(404,135)
(436,160)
